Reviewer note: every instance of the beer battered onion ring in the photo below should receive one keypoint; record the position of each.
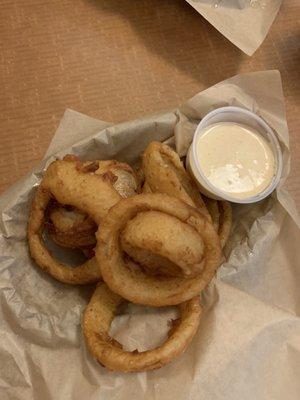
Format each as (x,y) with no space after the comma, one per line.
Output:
(74,229)
(165,173)
(85,191)
(96,323)
(127,279)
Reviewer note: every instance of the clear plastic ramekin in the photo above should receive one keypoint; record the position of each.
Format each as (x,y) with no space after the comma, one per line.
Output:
(243,117)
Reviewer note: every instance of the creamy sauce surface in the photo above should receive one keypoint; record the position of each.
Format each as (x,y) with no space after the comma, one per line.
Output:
(235,159)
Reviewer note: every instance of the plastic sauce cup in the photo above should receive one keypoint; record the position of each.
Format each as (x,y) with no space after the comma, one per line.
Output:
(249,119)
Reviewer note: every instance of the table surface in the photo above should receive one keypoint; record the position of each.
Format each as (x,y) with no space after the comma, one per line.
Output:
(120,59)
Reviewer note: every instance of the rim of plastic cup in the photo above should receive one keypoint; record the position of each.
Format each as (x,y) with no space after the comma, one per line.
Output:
(275,148)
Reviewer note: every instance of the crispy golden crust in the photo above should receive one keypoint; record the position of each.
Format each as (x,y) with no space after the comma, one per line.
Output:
(96,324)
(67,184)
(165,173)
(86,191)
(131,282)
(151,263)
(163,245)
(86,273)
(146,188)
(126,181)
(75,229)
(221,215)
(213,209)
(225,221)
(140,179)
(71,228)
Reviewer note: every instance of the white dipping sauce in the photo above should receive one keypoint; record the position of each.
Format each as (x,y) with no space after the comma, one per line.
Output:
(235,159)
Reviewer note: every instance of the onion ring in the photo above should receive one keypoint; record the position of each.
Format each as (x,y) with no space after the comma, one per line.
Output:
(75,229)
(96,323)
(165,173)
(157,241)
(86,191)
(127,279)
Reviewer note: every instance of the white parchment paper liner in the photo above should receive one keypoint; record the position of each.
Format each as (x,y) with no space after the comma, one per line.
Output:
(244,22)
(248,344)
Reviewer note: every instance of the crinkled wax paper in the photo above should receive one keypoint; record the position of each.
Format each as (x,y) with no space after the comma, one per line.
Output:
(244,22)
(248,343)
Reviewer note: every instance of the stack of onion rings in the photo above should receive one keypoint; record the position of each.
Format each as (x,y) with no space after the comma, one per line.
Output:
(158,248)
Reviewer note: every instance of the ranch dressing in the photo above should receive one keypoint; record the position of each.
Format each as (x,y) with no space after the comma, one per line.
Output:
(235,159)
